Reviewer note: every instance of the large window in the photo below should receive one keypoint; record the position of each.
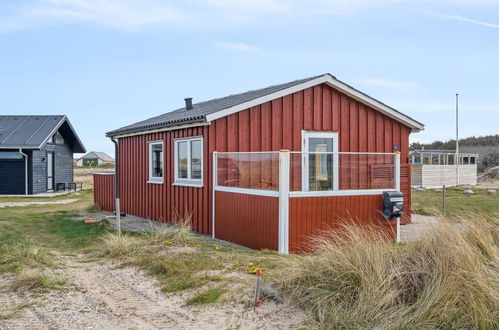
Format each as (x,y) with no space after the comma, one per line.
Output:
(156,162)
(189,161)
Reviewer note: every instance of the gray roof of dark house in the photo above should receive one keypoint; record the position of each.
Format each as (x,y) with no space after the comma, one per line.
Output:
(201,110)
(98,154)
(32,132)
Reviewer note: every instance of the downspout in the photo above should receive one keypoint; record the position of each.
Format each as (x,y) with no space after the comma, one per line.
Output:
(117,185)
(25,171)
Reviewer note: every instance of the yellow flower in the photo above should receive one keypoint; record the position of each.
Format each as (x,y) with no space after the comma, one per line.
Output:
(170,242)
(220,278)
(250,264)
(217,248)
(254,271)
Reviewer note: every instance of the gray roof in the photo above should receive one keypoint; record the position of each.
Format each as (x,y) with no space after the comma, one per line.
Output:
(32,132)
(200,110)
(98,154)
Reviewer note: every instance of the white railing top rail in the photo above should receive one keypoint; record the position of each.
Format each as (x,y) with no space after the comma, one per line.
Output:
(306,152)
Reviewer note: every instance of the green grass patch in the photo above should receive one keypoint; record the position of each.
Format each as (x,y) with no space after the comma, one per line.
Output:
(209,296)
(180,285)
(429,202)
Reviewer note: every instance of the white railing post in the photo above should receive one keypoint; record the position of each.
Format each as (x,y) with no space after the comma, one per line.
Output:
(284,201)
(397,171)
(214,184)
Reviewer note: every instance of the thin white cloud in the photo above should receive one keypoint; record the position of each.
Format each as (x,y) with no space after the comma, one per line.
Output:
(466,19)
(381,82)
(133,14)
(120,14)
(239,46)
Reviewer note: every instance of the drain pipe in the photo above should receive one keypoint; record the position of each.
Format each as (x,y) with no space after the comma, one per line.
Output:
(117,185)
(25,171)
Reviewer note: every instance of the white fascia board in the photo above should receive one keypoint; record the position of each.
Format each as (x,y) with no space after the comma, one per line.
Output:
(164,129)
(331,81)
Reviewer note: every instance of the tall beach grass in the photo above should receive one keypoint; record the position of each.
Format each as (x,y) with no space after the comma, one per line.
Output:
(358,279)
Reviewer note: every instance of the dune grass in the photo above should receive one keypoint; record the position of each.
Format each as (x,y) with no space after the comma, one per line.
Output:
(356,279)
(36,280)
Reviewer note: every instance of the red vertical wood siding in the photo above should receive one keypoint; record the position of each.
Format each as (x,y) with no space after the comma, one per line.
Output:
(311,215)
(270,126)
(247,220)
(104,191)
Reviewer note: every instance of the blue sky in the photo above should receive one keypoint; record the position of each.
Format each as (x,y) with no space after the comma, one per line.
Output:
(110,63)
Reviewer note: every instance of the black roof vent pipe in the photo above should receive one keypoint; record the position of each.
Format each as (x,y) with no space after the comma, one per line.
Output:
(188,103)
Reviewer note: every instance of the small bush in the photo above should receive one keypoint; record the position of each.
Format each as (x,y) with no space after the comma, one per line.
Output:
(178,233)
(36,280)
(20,256)
(206,297)
(357,279)
(117,246)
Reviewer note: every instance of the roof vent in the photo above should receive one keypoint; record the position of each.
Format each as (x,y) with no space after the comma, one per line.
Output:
(188,103)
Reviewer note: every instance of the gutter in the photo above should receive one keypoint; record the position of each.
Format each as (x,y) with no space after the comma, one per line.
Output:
(25,171)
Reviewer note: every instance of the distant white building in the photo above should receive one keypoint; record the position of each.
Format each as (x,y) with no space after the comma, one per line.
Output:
(437,168)
(93,159)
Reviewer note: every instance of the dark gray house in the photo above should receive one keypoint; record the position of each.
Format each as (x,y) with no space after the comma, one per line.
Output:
(36,153)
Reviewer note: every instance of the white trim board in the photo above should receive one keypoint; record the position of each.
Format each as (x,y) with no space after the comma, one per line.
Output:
(247,191)
(333,82)
(157,130)
(324,193)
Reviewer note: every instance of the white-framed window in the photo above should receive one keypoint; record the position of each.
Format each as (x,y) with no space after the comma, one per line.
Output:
(320,169)
(189,161)
(156,168)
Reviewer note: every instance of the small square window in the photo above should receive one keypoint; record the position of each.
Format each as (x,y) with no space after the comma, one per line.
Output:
(156,162)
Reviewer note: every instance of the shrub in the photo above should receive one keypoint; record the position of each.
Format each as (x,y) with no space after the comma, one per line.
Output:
(357,279)
(20,256)
(179,232)
(36,280)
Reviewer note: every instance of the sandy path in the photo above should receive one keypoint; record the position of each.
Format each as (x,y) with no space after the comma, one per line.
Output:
(23,204)
(110,297)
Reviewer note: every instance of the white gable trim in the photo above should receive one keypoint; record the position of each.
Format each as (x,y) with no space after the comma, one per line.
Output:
(157,130)
(333,82)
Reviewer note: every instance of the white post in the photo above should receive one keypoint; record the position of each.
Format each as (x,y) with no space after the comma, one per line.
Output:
(284,201)
(398,230)
(118,215)
(25,171)
(215,182)
(397,171)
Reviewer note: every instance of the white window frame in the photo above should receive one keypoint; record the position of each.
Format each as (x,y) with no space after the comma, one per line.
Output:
(153,179)
(306,135)
(188,181)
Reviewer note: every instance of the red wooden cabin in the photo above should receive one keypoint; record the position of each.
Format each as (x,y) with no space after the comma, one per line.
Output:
(269,167)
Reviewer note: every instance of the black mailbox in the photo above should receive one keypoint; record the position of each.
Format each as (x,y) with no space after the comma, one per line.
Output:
(393,204)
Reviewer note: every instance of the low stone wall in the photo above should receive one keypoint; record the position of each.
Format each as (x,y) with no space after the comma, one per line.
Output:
(435,176)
